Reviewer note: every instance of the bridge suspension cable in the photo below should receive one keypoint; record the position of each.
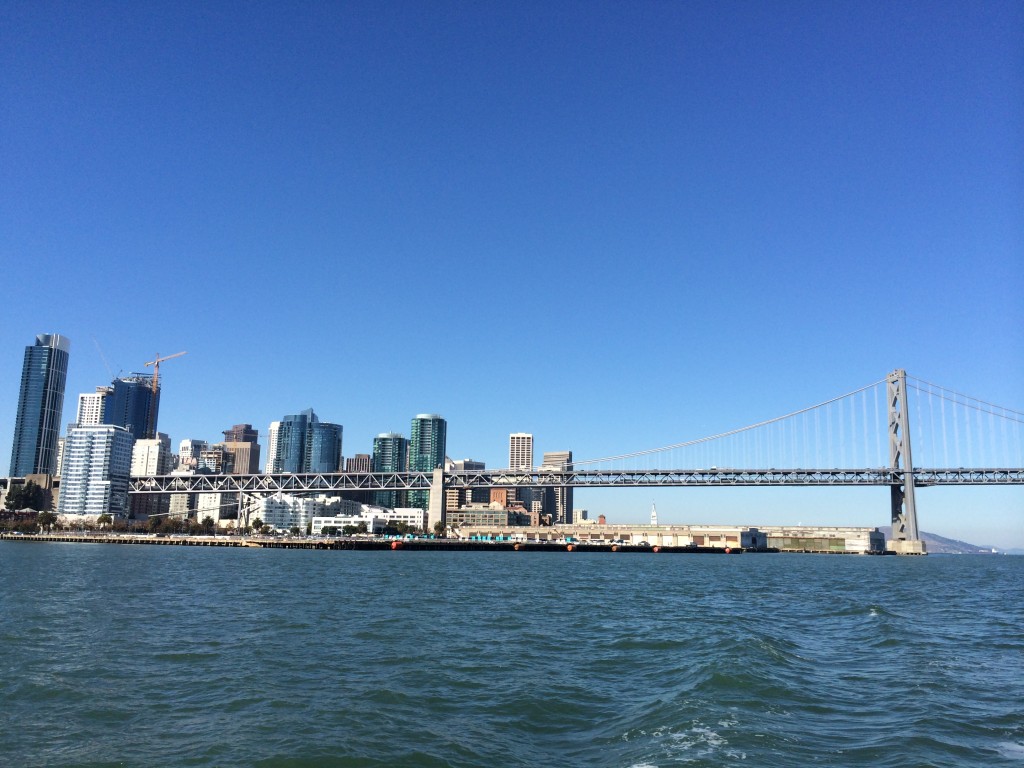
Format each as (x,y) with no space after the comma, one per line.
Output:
(840,423)
(970,431)
(949,429)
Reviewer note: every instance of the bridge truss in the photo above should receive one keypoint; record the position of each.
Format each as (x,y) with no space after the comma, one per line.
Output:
(593,478)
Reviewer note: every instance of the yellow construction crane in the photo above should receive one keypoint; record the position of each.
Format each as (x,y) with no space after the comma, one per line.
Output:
(151,431)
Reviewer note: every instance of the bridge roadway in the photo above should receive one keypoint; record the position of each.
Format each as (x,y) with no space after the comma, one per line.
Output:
(589,478)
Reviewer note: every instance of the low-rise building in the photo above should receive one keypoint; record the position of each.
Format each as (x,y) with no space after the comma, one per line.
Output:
(377,519)
(492,514)
(816,538)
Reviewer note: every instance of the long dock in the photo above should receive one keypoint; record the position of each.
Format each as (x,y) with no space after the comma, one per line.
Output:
(357,543)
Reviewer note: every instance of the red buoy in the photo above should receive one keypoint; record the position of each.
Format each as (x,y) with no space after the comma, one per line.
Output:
(728,551)
(396,544)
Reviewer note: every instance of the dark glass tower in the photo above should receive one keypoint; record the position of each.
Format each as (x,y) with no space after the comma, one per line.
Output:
(426,450)
(323,447)
(389,451)
(291,441)
(130,405)
(303,443)
(40,403)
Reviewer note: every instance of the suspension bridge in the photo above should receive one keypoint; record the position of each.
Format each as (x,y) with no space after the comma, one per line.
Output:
(861,438)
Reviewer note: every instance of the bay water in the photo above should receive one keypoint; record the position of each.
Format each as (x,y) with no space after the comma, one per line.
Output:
(121,655)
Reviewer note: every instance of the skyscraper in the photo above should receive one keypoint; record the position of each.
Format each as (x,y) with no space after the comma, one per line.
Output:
(91,404)
(389,452)
(558,499)
(303,443)
(130,405)
(358,463)
(241,433)
(275,427)
(97,463)
(520,451)
(427,438)
(290,442)
(150,457)
(40,403)
(323,448)
(188,453)
(242,450)
(475,495)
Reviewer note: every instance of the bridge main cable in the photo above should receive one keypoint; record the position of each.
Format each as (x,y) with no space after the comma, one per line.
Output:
(730,433)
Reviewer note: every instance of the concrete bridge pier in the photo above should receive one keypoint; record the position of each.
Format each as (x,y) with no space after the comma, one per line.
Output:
(435,506)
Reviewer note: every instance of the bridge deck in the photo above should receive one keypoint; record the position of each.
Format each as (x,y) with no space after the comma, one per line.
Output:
(503,478)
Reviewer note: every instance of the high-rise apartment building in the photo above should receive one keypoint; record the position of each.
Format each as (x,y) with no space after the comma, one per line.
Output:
(60,455)
(557,500)
(241,433)
(303,443)
(132,404)
(275,427)
(323,448)
(358,463)
(211,460)
(151,456)
(474,495)
(241,450)
(520,451)
(427,439)
(389,455)
(97,464)
(40,403)
(188,453)
(91,405)
(290,442)
(240,458)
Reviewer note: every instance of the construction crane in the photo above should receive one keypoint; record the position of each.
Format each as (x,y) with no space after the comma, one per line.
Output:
(151,425)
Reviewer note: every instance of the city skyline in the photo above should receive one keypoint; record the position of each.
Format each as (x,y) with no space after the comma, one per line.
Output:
(718,214)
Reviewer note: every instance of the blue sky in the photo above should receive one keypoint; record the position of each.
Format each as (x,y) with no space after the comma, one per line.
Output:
(613,225)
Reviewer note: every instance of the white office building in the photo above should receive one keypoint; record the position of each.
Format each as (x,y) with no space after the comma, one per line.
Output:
(283,512)
(275,427)
(520,451)
(151,456)
(97,463)
(90,406)
(376,518)
(189,452)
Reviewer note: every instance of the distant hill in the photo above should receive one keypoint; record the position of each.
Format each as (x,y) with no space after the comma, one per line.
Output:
(940,545)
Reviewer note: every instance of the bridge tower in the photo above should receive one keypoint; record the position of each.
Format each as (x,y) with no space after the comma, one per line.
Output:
(435,501)
(905,538)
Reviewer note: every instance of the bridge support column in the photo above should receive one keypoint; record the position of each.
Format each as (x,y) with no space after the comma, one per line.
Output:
(435,507)
(905,539)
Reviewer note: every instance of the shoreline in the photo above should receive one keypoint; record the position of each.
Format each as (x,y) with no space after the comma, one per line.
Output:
(364,544)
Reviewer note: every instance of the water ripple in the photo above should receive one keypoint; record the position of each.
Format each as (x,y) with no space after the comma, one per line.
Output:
(276,658)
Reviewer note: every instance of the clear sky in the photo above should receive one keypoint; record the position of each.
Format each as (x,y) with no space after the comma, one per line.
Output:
(613,225)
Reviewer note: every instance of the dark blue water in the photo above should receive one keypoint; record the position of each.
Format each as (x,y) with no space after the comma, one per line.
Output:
(141,656)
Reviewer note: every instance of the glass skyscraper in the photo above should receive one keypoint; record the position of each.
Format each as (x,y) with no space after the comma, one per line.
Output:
(427,438)
(389,451)
(303,443)
(40,404)
(323,447)
(130,404)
